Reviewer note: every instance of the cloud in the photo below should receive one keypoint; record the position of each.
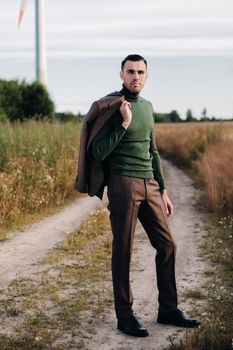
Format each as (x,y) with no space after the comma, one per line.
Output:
(78,28)
(115,46)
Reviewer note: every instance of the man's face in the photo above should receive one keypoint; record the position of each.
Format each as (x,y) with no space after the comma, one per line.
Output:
(134,75)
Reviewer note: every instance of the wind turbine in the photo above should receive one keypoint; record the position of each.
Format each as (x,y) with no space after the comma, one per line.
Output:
(41,66)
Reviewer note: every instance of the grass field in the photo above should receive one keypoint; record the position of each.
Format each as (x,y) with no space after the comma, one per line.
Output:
(207,150)
(38,164)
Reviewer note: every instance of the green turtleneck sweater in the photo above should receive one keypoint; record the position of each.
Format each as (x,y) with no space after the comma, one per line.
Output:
(132,151)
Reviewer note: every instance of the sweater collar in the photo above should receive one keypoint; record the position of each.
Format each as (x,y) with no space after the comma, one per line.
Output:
(130,96)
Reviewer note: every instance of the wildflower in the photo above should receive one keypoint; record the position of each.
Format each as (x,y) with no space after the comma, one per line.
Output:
(49,178)
(38,338)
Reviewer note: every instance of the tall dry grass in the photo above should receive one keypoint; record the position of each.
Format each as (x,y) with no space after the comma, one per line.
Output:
(38,162)
(216,170)
(208,150)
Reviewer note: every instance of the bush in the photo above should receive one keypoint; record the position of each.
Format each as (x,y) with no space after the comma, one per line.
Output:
(11,99)
(69,116)
(19,100)
(36,101)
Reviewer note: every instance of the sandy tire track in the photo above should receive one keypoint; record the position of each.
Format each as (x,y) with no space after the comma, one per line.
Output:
(20,253)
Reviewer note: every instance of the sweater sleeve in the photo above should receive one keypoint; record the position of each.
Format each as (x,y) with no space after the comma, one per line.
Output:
(106,140)
(156,163)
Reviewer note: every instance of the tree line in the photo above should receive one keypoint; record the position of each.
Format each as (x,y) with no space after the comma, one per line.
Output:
(21,100)
(174,117)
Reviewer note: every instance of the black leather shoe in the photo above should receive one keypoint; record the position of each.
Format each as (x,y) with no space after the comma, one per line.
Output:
(131,326)
(177,318)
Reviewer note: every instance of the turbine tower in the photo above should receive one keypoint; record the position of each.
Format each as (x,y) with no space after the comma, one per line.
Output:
(40,40)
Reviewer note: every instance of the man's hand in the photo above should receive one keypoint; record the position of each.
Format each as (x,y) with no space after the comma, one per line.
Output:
(167,203)
(126,113)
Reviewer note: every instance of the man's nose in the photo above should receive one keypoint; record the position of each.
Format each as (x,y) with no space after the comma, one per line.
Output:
(136,75)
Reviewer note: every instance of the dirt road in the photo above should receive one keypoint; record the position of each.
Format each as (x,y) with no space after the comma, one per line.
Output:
(19,255)
(25,248)
(187,227)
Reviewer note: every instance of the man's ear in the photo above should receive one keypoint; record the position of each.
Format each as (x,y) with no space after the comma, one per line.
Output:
(121,75)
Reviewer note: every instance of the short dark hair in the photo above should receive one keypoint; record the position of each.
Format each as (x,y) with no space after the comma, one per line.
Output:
(134,58)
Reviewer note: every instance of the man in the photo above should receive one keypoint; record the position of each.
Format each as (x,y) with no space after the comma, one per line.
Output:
(125,148)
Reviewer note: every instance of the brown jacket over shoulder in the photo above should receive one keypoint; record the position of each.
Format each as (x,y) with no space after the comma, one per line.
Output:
(91,175)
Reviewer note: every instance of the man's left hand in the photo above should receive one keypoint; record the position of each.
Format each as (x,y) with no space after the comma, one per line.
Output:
(167,203)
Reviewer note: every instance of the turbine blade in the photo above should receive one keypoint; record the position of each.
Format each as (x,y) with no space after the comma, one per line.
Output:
(21,11)
(20,17)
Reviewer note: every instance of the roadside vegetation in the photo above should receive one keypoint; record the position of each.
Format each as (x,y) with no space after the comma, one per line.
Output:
(205,152)
(38,164)
(216,331)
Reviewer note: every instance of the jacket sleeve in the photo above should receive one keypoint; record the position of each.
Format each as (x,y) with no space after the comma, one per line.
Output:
(106,140)
(81,177)
(156,163)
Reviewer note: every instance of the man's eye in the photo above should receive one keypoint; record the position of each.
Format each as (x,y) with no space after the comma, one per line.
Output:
(141,72)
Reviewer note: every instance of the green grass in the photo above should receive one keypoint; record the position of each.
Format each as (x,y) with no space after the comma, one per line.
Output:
(38,165)
(194,294)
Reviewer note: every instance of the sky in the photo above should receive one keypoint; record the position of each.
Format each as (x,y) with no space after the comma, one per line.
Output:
(188,45)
